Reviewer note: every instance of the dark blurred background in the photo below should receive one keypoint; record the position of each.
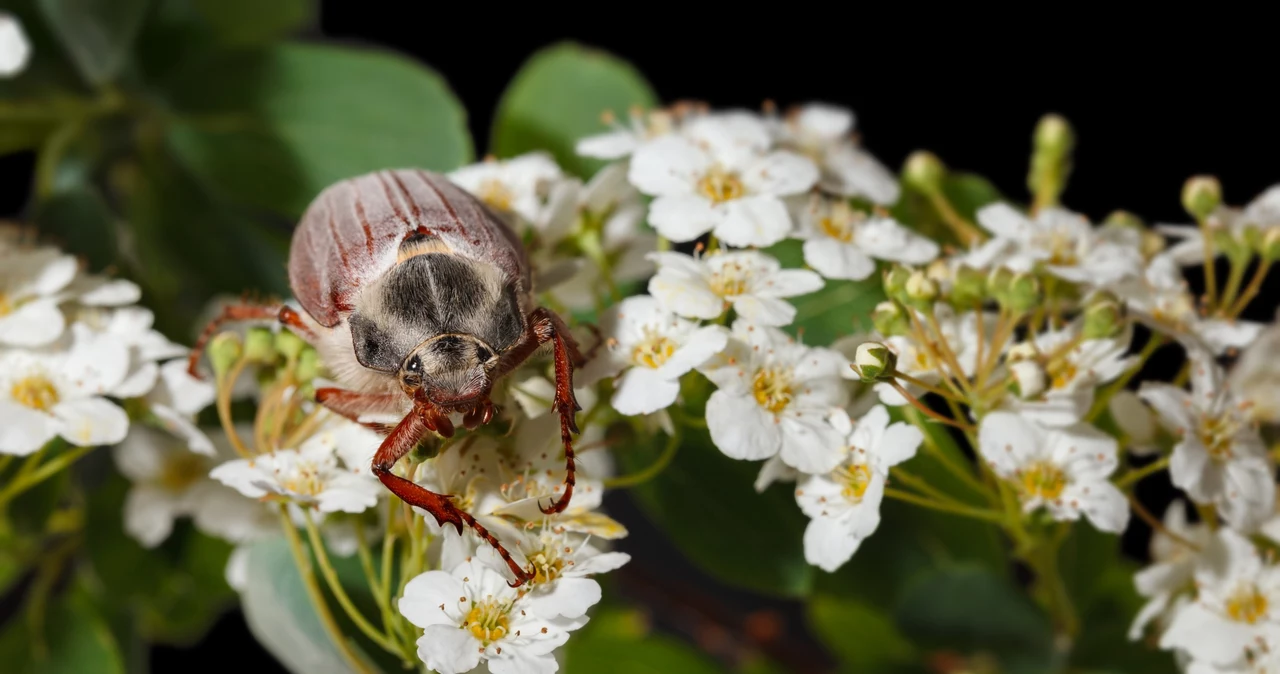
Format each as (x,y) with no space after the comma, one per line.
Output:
(1150,107)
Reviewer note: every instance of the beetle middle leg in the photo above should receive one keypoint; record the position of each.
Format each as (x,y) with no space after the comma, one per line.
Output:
(399,442)
(247,312)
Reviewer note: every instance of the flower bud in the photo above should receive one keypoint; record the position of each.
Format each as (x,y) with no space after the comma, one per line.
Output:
(289,345)
(224,352)
(968,287)
(1053,135)
(895,281)
(1027,380)
(259,346)
(1135,420)
(924,172)
(427,448)
(874,361)
(1022,351)
(1201,195)
(1024,293)
(308,365)
(1269,244)
(921,289)
(1237,248)
(890,319)
(1104,317)
(998,282)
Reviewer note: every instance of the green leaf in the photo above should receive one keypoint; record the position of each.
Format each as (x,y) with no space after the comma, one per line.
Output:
(559,96)
(80,222)
(97,34)
(253,22)
(706,503)
(862,638)
(613,642)
(271,129)
(840,308)
(75,637)
(967,193)
(973,611)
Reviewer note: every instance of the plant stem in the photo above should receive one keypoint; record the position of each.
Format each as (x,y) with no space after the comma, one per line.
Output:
(915,402)
(919,383)
(375,584)
(963,511)
(1044,561)
(652,470)
(317,597)
(1137,474)
(1159,526)
(1210,273)
(28,478)
(966,231)
(931,445)
(331,577)
(1250,291)
(223,405)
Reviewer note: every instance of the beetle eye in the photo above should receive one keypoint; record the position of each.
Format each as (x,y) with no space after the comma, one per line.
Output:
(414,365)
(483,354)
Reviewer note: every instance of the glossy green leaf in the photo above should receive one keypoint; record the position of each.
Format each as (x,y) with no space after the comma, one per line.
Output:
(862,638)
(614,642)
(271,129)
(97,34)
(840,308)
(706,503)
(74,638)
(559,96)
(972,611)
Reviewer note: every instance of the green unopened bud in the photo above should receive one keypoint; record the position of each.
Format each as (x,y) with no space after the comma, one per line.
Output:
(224,352)
(920,288)
(259,346)
(895,281)
(1124,219)
(308,365)
(1201,195)
(1025,292)
(427,448)
(1104,317)
(289,345)
(1050,159)
(1237,248)
(998,282)
(1053,136)
(924,172)
(1269,244)
(1026,379)
(890,319)
(968,288)
(874,361)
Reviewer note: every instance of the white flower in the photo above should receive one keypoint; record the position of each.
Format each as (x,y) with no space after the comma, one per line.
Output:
(1255,377)
(15,50)
(1173,564)
(1072,374)
(654,348)
(1064,242)
(844,504)
(1235,606)
(471,615)
(171,481)
(511,186)
(1160,299)
(57,391)
(1064,470)
(33,282)
(562,563)
(1243,225)
(776,396)
(960,331)
(625,138)
(1220,458)
(840,241)
(719,176)
(133,326)
(823,133)
(750,282)
(309,475)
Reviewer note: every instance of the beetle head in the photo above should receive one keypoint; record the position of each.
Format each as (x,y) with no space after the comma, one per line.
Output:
(451,370)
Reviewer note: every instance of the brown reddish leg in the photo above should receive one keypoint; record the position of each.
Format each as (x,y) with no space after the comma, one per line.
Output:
(247,312)
(545,326)
(403,438)
(351,405)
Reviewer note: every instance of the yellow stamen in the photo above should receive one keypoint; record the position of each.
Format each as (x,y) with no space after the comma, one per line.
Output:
(1216,434)
(772,389)
(305,479)
(1064,375)
(1247,605)
(720,185)
(855,479)
(487,621)
(1043,479)
(35,391)
(496,194)
(840,222)
(730,280)
(653,350)
(181,470)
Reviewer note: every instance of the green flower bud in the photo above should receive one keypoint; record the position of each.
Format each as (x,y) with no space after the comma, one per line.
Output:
(1124,219)
(1104,317)
(968,288)
(1054,136)
(427,448)
(259,346)
(921,289)
(289,345)
(1025,292)
(895,281)
(874,361)
(1269,244)
(924,171)
(1201,195)
(308,365)
(890,319)
(1236,248)
(224,352)
(998,282)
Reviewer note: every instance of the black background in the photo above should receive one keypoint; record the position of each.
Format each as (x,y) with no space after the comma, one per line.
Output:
(1152,103)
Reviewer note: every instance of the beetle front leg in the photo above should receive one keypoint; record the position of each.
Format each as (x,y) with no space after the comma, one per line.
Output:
(351,405)
(550,328)
(399,442)
(247,312)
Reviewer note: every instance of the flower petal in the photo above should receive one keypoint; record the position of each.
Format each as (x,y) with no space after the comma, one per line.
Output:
(810,444)
(683,218)
(149,512)
(836,259)
(568,597)
(424,595)
(788,283)
(91,421)
(449,650)
(34,323)
(601,563)
(699,346)
(768,311)
(828,543)
(24,430)
(669,165)
(854,172)
(740,429)
(757,220)
(610,145)
(643,391)
(780,174)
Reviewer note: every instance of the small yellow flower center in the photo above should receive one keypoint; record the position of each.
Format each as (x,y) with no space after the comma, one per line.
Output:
(1216,434)
(855,479)
(496,194)
(1043,479)
(772,388)
(1173,311)
(35,391)
(6,305)
(841,222)
(730,280)
(547,564)
(487,621)
(653,350)
(181,470)
(1064,375)
(306,479)
(1247,605)
(720,185)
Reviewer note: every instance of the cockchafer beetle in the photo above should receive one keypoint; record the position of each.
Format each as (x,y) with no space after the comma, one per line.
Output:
(418,298)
